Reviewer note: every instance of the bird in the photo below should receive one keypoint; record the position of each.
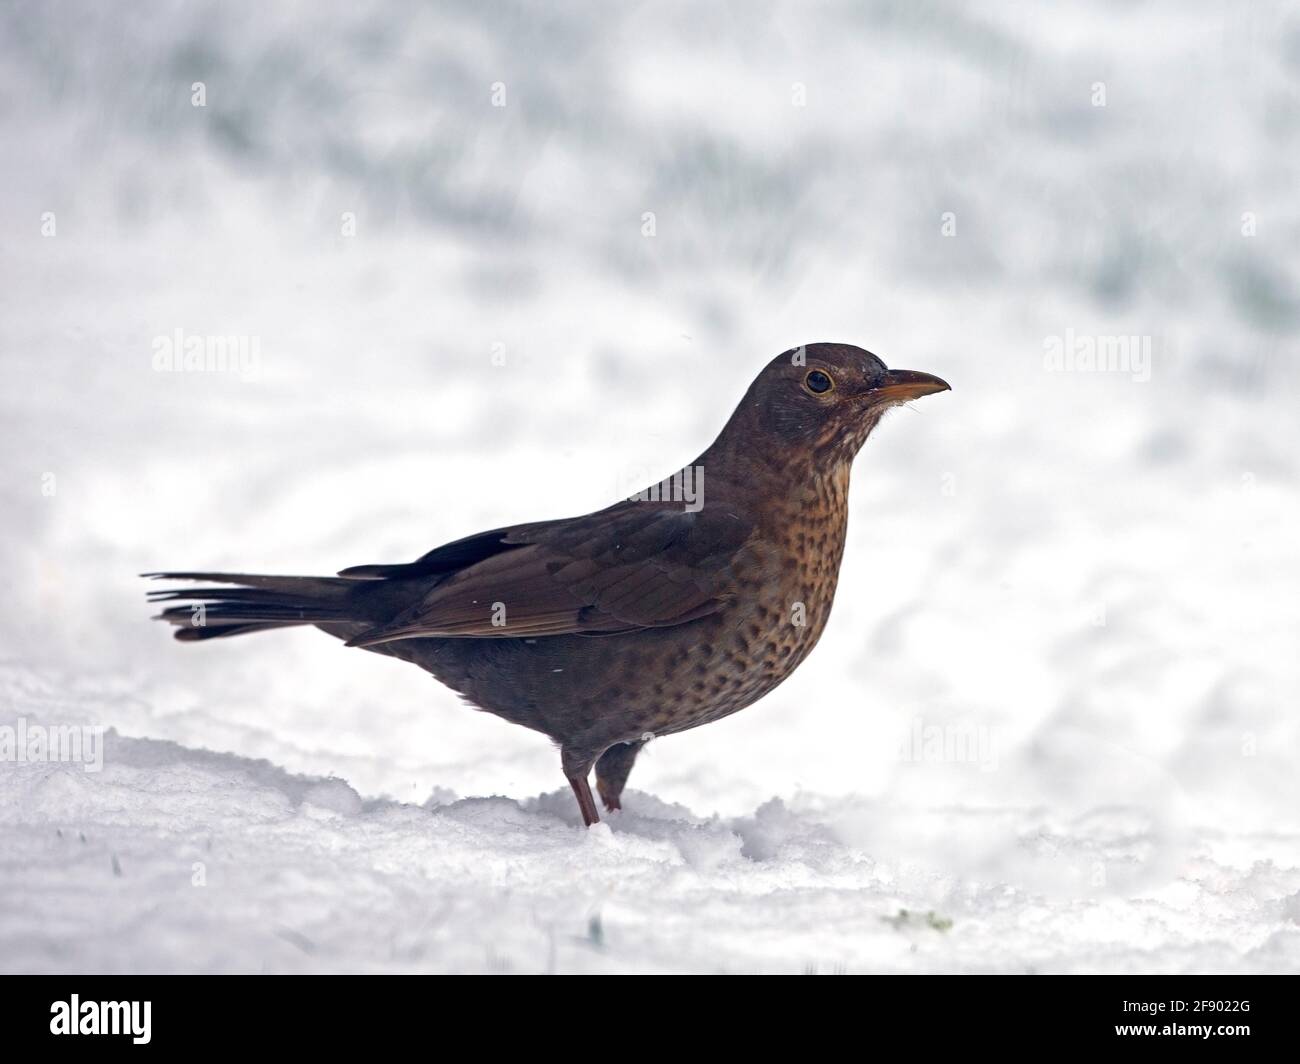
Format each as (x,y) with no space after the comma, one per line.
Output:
(664,611)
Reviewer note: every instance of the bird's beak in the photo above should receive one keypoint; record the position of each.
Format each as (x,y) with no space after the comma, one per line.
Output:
(900,385)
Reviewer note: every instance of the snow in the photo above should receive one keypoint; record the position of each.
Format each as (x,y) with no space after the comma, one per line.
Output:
(180,860)
(1056,702)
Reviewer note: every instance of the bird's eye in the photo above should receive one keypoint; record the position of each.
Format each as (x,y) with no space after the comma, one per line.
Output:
(818,382)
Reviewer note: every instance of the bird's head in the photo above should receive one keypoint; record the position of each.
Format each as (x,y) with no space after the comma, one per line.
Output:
(825,398)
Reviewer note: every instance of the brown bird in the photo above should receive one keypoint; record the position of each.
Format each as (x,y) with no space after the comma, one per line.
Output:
(674,608)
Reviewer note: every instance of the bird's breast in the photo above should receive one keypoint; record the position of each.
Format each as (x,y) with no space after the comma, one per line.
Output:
(808,544)
(785,586)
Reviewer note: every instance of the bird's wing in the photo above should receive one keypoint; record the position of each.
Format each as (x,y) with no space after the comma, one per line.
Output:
(445,559)
(630,567)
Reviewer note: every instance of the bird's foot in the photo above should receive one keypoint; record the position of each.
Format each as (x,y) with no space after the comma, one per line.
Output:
(608,796)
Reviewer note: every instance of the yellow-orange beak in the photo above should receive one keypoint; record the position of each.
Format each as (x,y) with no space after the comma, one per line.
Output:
(903,384)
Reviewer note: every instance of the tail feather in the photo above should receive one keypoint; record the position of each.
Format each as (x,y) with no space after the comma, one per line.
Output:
(220,631)
(304,584)
(263,602)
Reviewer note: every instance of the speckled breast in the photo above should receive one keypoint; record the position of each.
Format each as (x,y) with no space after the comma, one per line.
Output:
(779,615)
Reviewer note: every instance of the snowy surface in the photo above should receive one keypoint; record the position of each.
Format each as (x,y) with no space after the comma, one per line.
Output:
(175,860)
(1091,578)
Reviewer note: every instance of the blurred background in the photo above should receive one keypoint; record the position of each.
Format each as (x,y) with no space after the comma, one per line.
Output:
(501,263)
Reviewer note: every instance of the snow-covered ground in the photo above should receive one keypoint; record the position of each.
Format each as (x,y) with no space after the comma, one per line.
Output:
(175,859)
(1053,723)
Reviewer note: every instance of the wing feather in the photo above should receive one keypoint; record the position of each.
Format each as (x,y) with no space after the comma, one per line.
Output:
(630,567)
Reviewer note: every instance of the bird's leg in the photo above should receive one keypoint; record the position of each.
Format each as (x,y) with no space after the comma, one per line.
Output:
(575,770)
(586,802)
(612,771)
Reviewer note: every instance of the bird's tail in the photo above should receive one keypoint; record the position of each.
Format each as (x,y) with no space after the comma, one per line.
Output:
(257,604)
